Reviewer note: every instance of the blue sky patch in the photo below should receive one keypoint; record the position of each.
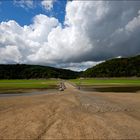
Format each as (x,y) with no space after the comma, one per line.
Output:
(24,15)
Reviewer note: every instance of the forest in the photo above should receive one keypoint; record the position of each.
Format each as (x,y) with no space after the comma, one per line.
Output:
(23,71)
(117,67)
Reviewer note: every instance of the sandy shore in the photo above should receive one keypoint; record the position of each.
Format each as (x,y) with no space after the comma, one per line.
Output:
(71,114)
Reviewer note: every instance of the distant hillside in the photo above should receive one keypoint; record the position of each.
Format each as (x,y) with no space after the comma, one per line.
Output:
(118,67)
(22,71)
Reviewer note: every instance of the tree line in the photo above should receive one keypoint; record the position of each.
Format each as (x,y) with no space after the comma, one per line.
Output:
(23,71)
(118,67)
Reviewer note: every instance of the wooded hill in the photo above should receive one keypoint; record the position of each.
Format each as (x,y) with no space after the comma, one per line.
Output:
(22,71)
(118,67)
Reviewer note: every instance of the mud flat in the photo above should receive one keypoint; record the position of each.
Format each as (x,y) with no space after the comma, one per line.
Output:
(71,114)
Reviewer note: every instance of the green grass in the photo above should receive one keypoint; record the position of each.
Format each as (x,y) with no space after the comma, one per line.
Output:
(107,81)
(27,84)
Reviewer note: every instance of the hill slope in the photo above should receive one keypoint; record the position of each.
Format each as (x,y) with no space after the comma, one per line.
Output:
(22,71)
(118,67)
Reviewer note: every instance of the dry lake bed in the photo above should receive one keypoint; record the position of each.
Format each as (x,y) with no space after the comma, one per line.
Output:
(71,114)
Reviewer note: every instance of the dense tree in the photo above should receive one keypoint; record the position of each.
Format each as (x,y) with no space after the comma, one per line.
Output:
(118,67)
(22,71)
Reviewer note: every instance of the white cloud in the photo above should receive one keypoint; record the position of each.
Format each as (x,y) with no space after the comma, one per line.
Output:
(78,66)
(47,4)
(10,54)
(28,39)
(24,3)
(94,31)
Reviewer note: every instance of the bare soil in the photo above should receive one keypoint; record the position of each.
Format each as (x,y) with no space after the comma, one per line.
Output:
(71,114)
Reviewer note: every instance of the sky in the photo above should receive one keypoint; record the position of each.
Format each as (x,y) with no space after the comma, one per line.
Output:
(74,34)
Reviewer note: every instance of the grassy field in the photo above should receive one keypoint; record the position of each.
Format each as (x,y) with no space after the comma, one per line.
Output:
(107,81)
(21,86)
(18,85)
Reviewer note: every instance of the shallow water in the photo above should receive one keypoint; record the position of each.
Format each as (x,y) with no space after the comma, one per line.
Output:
(29,93)
(118,89)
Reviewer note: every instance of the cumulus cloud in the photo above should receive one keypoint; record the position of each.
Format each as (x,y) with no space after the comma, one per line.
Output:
(47,4)
(93,31)
(99,20)
(28,39)
(9,54)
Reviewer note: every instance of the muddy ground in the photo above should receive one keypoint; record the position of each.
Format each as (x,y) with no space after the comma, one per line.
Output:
(71,114)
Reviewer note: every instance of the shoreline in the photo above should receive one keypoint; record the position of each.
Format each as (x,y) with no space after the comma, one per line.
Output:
(29,93)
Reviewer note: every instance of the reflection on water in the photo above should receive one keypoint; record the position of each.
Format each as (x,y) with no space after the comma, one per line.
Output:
(131,89)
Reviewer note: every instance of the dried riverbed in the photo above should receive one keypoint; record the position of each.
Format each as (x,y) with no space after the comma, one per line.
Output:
(71,114)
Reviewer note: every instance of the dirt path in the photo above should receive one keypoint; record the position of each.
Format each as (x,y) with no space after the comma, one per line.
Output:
(71,114)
